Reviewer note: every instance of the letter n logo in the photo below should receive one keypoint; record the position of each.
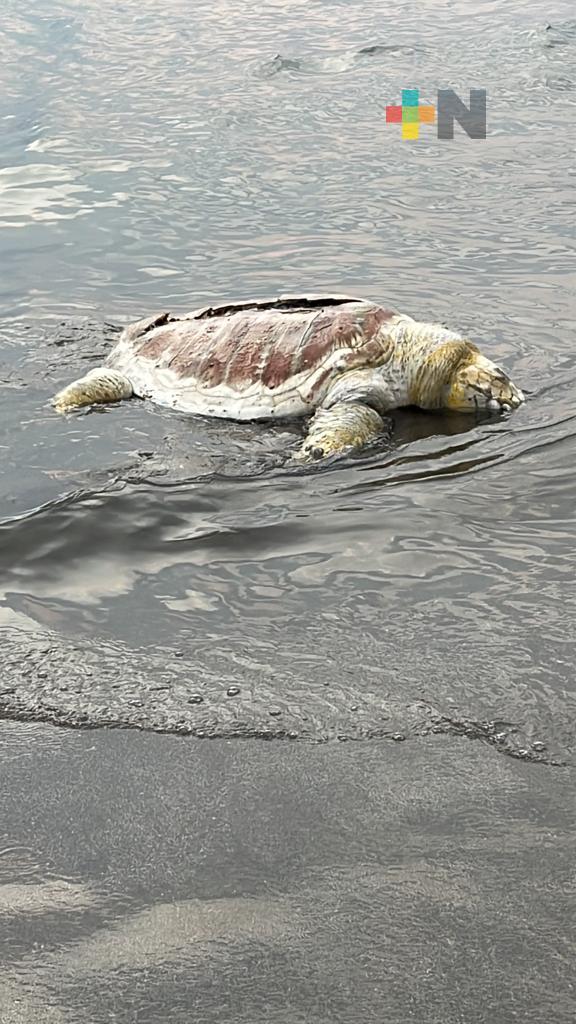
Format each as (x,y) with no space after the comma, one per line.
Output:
(472,119)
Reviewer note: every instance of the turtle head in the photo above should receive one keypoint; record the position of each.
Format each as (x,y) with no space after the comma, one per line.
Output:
(477,384)
(447,371)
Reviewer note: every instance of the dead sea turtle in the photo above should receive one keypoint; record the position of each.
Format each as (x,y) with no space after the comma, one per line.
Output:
(344,360)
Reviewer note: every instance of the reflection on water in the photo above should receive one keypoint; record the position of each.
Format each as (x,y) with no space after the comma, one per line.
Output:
(177,154)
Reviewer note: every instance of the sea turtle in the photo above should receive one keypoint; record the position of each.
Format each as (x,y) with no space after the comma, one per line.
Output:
(345,360)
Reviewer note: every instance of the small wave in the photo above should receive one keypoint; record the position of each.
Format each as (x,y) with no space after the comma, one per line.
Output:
(562,34)
(335,63)
(89,686)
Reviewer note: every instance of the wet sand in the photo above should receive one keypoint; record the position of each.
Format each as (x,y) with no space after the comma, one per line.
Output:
(149,878)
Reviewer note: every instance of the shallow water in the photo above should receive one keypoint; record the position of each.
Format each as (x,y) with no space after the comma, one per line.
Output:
(175,573)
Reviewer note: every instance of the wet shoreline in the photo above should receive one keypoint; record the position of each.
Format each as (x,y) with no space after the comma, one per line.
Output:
(148,878)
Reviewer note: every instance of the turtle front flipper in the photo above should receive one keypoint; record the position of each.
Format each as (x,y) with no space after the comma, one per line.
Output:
(97,387)
(352,414)
(343,426)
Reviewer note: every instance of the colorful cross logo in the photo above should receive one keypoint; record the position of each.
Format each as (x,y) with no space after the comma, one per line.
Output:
(410,115)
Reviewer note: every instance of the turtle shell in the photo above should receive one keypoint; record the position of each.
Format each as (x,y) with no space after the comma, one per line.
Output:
(251,360)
